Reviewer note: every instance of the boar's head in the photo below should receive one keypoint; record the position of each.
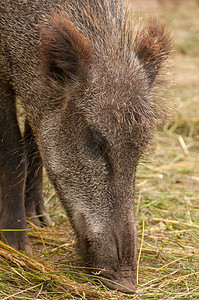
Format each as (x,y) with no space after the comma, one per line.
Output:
(101,116)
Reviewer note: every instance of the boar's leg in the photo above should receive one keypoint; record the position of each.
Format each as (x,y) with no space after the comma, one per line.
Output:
(34,202)
(12,174)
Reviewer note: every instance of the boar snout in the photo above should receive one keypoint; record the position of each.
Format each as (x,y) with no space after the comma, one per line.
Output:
(110,251)
(123,280)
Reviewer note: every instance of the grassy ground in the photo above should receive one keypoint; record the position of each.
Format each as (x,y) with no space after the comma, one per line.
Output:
(167,201)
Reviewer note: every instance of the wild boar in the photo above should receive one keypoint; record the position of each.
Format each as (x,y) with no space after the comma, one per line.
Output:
(86,81)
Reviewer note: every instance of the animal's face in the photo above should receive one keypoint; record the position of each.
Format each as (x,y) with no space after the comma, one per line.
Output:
(92,141)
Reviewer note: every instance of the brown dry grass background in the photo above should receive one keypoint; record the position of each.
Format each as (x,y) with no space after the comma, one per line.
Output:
(167,199)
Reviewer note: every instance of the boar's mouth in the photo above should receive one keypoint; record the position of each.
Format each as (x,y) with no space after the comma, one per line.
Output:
(123,280)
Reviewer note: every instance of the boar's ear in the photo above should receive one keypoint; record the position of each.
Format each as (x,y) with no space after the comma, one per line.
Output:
(152,47)
(64,50)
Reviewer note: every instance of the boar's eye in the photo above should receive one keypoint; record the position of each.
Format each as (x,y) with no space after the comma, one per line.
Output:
(97,146)
(97,142)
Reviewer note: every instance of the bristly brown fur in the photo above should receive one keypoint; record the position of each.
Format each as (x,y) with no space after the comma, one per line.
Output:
(153,47)
(63,47)
(81,45)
